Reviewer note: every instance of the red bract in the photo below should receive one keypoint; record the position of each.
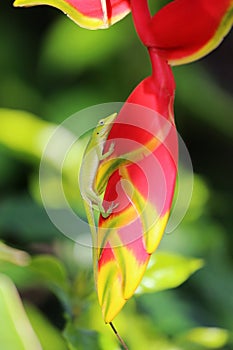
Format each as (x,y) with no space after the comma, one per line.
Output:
(184,30)
(91,14)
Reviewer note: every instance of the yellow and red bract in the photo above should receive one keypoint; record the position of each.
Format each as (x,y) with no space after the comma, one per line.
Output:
(86,13)
(181,32)
(184,31)
(143,189)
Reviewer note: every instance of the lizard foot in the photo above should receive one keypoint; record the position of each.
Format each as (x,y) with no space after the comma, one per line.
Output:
(110,209)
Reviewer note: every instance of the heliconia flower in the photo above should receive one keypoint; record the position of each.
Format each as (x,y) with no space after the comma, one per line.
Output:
(90,14)
(180,32)
(143,189)
(183,30)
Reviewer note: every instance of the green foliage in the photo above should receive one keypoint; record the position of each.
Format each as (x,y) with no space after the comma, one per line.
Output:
(79,339)
(209,338)
(16,331)
(166,271)
(24,133)
(13,256)
(48,335)
(50,270)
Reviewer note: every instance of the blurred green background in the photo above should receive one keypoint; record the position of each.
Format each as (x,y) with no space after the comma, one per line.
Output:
(50,68)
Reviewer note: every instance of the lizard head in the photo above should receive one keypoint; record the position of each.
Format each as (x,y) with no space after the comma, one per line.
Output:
(104,125)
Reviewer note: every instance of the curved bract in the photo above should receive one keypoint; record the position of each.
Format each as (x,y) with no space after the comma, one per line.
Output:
(184,30)
(90,14)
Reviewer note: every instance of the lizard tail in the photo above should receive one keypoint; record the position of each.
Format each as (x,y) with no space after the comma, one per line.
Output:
(91,222)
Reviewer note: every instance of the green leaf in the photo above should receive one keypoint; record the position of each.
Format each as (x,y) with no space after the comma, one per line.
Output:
(24,133)
(47,267)
(14,263)
(15,256)
(49,336)
(45,270)
(16,330)
(20,275)
(51,270)
(52,274)
(167,271)
(79,339)
(210,338)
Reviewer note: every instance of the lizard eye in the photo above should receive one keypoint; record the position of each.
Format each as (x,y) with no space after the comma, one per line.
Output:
(101,122)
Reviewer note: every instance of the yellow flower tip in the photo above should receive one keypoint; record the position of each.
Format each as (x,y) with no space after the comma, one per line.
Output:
(154,235)
(110,313)
(110,294)
(113,302)
(133,277)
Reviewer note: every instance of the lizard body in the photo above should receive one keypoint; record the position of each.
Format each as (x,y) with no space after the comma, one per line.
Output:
(92,157)
(93,154)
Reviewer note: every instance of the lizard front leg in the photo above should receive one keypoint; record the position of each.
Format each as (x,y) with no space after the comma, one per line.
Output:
(95,200)
(105,155)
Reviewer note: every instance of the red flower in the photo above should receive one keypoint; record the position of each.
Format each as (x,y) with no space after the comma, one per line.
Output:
(180,32)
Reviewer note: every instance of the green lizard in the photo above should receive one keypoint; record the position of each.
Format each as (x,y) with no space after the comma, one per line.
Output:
(93,154)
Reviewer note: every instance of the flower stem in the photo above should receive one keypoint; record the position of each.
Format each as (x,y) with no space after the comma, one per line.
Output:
(142,19)
(118,337)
